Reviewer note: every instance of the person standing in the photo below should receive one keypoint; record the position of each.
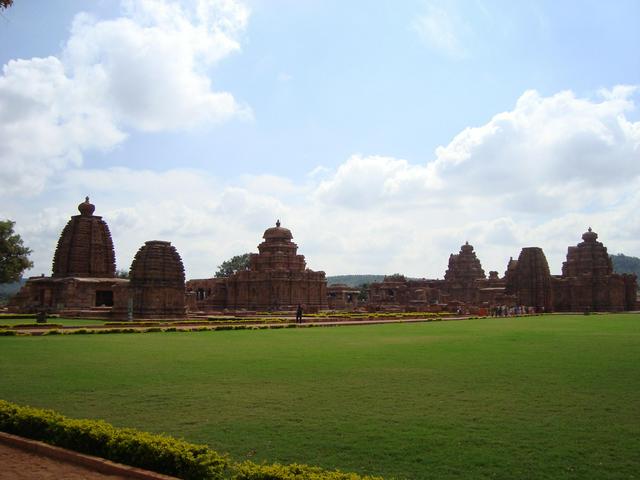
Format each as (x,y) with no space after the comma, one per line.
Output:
(299,314)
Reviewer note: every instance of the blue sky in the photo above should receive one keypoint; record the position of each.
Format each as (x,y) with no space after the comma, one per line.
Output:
(384,134)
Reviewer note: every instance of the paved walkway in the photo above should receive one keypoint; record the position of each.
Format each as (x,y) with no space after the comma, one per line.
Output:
(17,464)
(22,458)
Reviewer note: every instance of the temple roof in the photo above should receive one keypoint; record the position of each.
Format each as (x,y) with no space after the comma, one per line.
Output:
(589,236)
(86,208)
(277,233)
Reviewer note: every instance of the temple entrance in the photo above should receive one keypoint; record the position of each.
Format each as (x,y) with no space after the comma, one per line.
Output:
(104,298)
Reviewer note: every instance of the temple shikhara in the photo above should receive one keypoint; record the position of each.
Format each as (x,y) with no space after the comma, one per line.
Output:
(84,283)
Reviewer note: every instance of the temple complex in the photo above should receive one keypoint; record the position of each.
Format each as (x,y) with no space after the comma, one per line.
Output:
(277,279)
(587,283)
(83,281)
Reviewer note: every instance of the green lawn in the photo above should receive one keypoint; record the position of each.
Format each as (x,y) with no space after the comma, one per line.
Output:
(67,322)
(541,397)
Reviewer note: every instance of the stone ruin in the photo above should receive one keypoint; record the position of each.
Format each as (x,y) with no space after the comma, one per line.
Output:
(342,297)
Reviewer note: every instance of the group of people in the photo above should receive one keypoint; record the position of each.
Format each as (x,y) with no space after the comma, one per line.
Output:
(505,311)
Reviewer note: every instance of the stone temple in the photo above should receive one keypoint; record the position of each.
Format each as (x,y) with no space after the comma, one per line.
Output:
(84,270)
(156,287)
(277,279)
(588,283)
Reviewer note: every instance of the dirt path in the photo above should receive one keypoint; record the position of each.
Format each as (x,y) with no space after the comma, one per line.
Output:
(17,464)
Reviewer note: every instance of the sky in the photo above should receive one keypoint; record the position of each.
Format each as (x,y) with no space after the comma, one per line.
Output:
(383,134)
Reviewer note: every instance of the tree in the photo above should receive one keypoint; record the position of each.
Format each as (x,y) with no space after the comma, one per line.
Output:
(363,296)
(14,256)
(233,265)
(122,273)
(5,4)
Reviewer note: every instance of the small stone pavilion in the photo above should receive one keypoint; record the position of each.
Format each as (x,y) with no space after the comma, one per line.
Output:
(277,279)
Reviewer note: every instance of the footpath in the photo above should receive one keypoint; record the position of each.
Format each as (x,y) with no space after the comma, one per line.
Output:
(24,459)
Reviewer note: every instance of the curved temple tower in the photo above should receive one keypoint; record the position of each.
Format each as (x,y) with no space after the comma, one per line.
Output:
(85,247)
(529,279)
(156,287)
(83,280)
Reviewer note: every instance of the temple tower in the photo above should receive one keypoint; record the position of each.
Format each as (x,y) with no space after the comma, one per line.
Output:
(530,279)
(157,282)
(278,278)
(85,247)
(463,271)
(588,282)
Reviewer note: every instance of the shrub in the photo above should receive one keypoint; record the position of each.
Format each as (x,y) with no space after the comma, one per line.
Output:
(159,453)
(80,331)
(38,325)
(7,333)
(125,445)
(52,332)
(252,471)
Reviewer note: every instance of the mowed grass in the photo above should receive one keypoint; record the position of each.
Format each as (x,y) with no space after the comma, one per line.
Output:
(540,397)
(67,322)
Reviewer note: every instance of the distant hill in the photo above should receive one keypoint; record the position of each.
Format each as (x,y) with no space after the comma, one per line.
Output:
(354,280)
(624,264)
(9,289)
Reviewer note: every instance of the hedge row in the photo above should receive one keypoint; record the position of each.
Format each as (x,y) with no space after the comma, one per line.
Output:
(159,453)
(124,445)
(103,331)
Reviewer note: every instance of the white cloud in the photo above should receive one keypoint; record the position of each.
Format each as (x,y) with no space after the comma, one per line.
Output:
(146,70)
(537,175)
(441,31)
